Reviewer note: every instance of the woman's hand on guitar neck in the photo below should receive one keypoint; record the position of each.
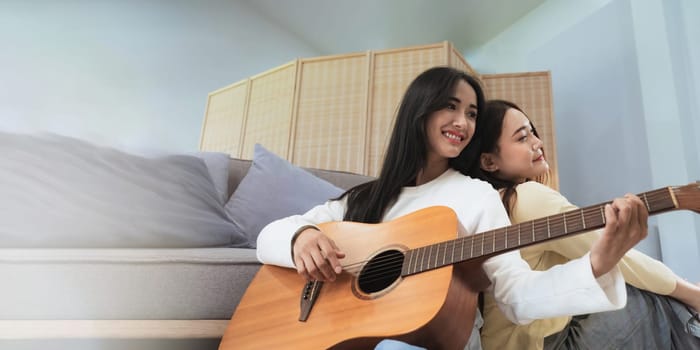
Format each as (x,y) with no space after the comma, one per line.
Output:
(316,256)
(625,225)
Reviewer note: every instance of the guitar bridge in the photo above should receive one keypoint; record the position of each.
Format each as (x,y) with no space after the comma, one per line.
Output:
(308,298)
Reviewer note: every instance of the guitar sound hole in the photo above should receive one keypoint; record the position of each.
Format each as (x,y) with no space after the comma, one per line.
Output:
(381,271)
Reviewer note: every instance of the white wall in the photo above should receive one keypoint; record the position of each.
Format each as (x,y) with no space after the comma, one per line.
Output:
(624,77)
(130,74)
(666,84)
(691,9)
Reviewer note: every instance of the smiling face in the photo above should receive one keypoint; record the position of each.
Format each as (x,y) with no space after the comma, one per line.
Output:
(519,154)
(449,130)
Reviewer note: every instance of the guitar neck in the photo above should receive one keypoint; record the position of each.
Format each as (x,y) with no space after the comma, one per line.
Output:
(501,240)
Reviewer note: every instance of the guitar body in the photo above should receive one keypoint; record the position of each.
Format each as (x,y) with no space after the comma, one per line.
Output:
(434,309)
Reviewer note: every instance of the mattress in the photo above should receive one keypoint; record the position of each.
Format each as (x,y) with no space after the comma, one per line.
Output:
(143,284)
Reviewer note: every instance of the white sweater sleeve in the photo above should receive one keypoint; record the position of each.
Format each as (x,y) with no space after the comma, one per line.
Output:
(564,290)
(274,244)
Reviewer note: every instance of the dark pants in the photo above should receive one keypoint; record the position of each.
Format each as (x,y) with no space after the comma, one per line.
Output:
(649,321)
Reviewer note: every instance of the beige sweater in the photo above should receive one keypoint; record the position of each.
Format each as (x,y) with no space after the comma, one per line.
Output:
(534,201)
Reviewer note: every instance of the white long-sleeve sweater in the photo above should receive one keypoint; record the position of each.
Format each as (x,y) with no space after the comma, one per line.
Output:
(522,294)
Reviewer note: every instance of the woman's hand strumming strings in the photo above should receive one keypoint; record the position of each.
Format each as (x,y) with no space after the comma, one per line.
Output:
(316,256)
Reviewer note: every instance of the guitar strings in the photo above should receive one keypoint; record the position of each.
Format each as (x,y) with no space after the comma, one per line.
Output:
(593,216)
(385,264)
(390,263)
(490,236)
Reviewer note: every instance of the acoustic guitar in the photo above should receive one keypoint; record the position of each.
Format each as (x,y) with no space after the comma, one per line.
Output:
(410,279)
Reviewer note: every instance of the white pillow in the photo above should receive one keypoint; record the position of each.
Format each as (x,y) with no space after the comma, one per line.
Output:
(57,191)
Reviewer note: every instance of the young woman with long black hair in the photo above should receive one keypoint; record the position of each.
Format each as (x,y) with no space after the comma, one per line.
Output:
(425,165)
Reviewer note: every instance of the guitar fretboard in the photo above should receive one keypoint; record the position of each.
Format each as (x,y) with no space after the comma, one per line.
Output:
(493,242)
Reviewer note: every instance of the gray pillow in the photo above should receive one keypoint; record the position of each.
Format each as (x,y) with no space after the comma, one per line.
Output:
(62,192)
(218,165)
(272,189)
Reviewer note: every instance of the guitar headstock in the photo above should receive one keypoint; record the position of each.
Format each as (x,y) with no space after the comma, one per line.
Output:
(688,196)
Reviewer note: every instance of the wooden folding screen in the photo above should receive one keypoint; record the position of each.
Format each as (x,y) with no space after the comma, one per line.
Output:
(331,113)
(223,127)
(270,105)
(336,112)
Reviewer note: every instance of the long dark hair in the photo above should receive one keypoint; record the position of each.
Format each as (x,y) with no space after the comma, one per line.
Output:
(489,126)
(406,153)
